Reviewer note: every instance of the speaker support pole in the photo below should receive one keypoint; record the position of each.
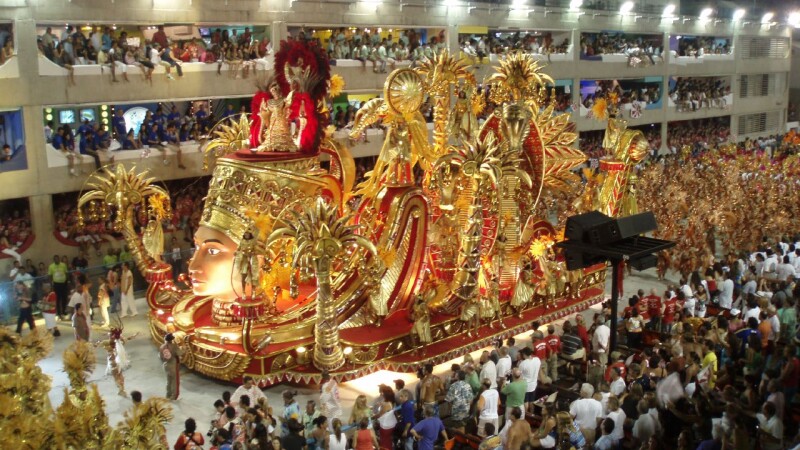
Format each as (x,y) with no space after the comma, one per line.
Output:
(615,272)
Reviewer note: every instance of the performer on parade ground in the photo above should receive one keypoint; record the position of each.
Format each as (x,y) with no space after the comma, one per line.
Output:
(170,354)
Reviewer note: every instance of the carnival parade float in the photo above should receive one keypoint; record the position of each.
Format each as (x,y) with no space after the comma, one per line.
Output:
(444,248)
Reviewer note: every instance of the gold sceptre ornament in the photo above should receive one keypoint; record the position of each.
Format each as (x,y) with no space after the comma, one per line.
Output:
(441,74)
(321,237)
(123,190)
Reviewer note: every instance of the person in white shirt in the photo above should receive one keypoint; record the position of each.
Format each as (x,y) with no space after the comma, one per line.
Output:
(775,324)
(587,411)
(785,271)
(329,403)
(750,286)
(726,292)
(645,425)
(503,363)
(771,428)
(600,341)
(687,290)
(487,408)
(488,369)
(770,264)
(618,416)
(530,366)
(617,386)
(249,389)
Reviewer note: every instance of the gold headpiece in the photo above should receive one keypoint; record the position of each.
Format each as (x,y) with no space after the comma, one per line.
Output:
(243,188)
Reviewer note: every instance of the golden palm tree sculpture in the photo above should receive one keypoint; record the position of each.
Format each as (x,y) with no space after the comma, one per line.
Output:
(440,74)
(483,163)
(321,236)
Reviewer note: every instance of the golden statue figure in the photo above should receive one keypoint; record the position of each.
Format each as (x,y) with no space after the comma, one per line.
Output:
(153,239)
(471,314)
(246,261)
(377,302)
(276,130)
(524,289)
(422,323)
(490,303)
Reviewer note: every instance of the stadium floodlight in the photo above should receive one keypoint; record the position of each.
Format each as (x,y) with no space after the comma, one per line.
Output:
(669,10)
(767,18)
(794,19)
(518,4)
(626,7)
(575,4)
(739,14)
(706,13)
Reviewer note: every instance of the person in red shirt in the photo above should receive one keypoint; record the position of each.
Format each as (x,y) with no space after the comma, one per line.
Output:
(540,350)
(160,37)
(653,302)
(48,306)
(619,363)
(553,342)
(671,307)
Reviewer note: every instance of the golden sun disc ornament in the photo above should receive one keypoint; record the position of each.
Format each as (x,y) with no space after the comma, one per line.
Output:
(404,91)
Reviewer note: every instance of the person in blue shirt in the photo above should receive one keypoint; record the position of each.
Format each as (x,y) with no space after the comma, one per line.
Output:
(173,115)
(107,40)
(128,143)
(89,147)
(407,420)
(60,144)
(85,127)
(428,430)
(102,138)
(166,56)
(202,117)
(118,124)
(229,111)
(184,133)
(159,116)
(152,139)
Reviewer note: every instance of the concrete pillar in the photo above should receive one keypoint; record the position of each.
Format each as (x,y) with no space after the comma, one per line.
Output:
(452,40)
(279,33)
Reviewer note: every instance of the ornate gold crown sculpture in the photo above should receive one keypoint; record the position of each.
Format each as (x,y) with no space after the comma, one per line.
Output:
(290,278)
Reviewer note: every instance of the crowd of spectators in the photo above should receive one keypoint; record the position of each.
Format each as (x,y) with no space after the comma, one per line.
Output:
(479,47)
(240,53)
(15,229)
(6,42)
(619,43)
(698,135)
(382,51)
(165,129)
(712,363)
(694,93)
(698,46)
(626,91)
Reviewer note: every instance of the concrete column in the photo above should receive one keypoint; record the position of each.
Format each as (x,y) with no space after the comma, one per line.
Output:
(664,147)
(452,40)
(279,32)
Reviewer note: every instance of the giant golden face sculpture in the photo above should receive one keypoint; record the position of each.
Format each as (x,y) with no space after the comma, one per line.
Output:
(211,267)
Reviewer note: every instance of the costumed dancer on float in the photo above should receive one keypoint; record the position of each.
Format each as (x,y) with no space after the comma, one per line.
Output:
(373,282)
(117,359)
(170,355)
(524,289)
(490,304)
(422,324)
